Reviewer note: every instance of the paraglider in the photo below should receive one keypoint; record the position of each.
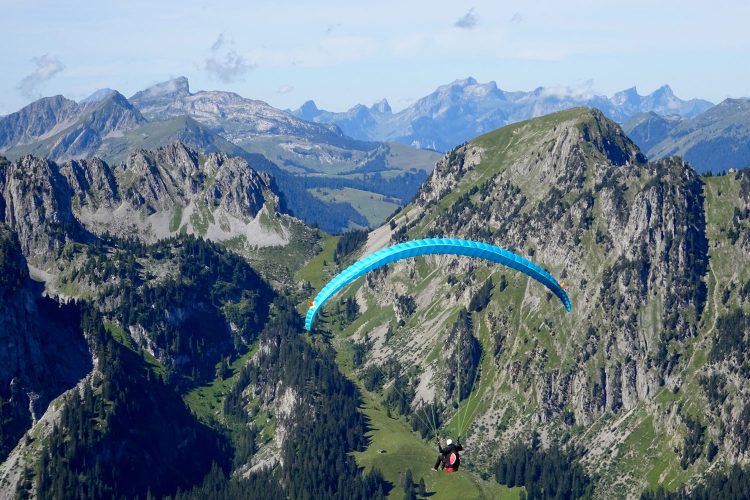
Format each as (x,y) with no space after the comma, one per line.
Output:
(433,246)
(449,458)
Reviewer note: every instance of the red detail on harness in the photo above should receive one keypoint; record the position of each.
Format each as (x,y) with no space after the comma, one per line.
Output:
(452,459)
(449,469)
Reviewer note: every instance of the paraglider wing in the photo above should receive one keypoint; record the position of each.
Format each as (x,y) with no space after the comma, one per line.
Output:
(433,246)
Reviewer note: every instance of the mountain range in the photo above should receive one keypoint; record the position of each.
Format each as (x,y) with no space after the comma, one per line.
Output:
(463,109)
(348,170)
(352,183)
(163,296)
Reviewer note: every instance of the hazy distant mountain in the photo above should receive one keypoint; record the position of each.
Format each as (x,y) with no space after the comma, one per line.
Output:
(662,101)
(115,147)
(97,96)
(239,119)
(715,140)
(648,129)
(59,128)
(36,120)
(465,108)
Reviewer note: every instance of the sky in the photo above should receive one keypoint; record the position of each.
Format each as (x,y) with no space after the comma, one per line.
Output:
(344,52)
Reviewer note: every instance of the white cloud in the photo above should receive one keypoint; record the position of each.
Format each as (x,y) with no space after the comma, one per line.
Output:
(46,68)
(583,90)
(516,18)
(468,21)
(226,65)
(284,89)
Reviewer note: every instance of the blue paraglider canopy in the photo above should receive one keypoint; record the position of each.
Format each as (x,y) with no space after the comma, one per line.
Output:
(433,246)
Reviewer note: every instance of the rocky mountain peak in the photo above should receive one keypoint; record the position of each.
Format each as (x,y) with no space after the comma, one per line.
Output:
(157,97)
(627,96)
(36,120)
(176,87)
(553,154)
(308,110)
(116,107)
(609,139)
(464,82)
(456,87)
(360,110)
(382,106)
(665,91)
(51,103)
(97,96)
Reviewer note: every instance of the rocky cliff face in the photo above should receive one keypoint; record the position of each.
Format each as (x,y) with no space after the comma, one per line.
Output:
(632,242)
(176,189)
(154,194)
(92,183)
(35,199)
(43,350)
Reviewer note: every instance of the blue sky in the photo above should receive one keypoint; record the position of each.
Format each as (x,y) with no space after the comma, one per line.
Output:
(345,52)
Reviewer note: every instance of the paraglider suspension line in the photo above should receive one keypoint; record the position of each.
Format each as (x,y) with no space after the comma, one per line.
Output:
(430,425)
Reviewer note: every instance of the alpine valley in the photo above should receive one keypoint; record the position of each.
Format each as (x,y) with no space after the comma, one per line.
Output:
(158,253)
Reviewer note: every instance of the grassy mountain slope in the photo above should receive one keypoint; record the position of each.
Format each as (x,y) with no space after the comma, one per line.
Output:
(184,129)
